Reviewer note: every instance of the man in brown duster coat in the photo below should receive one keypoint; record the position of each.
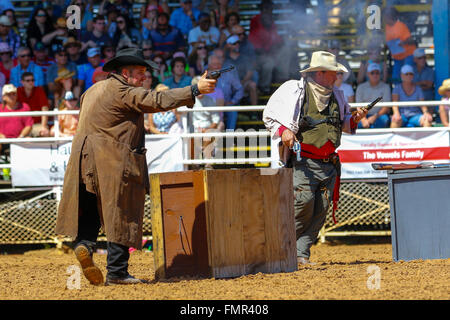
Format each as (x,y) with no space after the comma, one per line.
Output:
(107,176)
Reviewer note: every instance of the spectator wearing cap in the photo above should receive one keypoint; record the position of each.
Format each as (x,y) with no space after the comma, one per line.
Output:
(59,36)
(39,26)
(42,59)
(62,62)
(423,74)
(26,65)
(86,71)
(407,90)
(244,66)
(378,117)
(165,38)
(204,32)
(7,62)
(150,20)
(36,99)
(8,35)
(98,36)
(185,17)
(179,77)
(11,14)
(444,110)
(67,123)
(271,52)
(126,36)
(373,56)
(73,49)
(13,127)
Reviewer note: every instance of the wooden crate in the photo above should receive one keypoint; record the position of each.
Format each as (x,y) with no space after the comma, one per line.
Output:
(223,223)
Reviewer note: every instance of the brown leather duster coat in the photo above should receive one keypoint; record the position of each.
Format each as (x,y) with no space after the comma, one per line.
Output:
(110,143)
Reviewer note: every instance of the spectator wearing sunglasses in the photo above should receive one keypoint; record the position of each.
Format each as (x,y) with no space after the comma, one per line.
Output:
(407,90)
(126,36)
(423,74)
(36,99)
(39,26)
(377,117)
(204,32)
(26,65)
(244,67)
(198,59)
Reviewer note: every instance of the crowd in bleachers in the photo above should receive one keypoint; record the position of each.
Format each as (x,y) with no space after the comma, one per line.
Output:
(50,66)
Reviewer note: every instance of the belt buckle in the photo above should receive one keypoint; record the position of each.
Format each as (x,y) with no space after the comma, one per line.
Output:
(326,160)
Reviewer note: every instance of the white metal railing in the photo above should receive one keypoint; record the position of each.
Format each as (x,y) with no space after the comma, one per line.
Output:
(233,134)
(233,108)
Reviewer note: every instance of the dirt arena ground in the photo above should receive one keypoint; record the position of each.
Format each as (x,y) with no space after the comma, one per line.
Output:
(343,271)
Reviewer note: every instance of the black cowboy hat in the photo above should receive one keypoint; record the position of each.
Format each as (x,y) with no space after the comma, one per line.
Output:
(128,57)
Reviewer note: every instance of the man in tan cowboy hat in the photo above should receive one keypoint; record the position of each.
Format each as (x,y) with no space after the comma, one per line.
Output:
(107,176)
(310,115)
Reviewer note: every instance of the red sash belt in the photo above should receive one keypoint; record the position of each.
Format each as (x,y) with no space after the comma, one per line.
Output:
(327,154)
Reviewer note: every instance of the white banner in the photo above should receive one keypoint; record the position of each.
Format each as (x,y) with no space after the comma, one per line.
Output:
(358,152)
(44,164)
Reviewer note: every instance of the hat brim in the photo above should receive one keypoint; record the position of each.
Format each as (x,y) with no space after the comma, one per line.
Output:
(121,61)
(69,75)
(337,68)
(442,89)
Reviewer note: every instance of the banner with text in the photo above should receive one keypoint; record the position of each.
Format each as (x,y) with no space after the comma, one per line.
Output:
(44,164)
(358,152)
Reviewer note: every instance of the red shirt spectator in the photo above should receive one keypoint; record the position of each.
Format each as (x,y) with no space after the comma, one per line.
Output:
(263,32)
(36,100)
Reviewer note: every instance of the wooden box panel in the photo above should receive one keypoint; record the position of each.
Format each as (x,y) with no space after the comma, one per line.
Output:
(179,224)
(223,223)
(250,222)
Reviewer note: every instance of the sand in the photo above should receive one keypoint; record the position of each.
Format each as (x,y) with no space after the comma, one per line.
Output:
(343,271)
